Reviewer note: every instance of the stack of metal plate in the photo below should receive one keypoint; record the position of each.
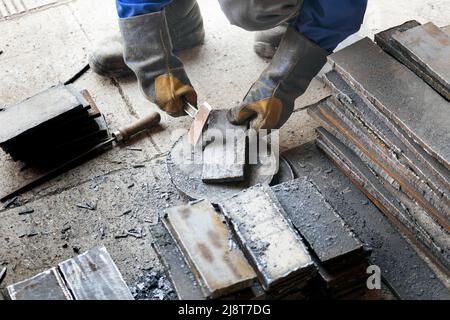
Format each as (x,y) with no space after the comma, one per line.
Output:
(278,254)
(339,255)
(51,127)
(388,130)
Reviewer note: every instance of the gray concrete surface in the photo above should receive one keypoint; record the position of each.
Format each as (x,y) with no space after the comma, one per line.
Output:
(49,43)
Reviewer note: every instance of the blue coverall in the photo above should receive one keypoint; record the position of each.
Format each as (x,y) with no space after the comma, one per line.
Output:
(325,22)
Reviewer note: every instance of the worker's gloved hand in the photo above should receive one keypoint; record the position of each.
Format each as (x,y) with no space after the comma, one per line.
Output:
(270,101)
(148,52)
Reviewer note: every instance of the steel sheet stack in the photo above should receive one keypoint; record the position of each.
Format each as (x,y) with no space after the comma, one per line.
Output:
(51,127)
(388,130)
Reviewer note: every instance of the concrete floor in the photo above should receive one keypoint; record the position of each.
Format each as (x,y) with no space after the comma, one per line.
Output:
(49,44)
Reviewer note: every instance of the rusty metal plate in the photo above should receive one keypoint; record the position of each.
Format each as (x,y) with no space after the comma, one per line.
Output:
(433,241)
(379,160)
(93,275)
(386,41)
(402,96)
(428,49)
(224,157)
(185,166)
(48,285)
(318,222)
(425,166)
(268,239)
(216,261)
(176,268)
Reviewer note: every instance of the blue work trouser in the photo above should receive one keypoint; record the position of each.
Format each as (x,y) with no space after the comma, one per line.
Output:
(325,22)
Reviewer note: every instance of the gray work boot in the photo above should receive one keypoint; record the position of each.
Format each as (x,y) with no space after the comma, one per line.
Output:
(148,51)
(267,41)
(186,30)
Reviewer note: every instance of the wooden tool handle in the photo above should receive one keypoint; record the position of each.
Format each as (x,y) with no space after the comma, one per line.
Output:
(149,121)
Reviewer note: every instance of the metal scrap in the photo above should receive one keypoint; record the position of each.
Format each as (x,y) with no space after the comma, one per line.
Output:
(26,211)
(87,206)
(3,274)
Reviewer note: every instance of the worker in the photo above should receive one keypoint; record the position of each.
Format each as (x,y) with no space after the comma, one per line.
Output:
(298,34)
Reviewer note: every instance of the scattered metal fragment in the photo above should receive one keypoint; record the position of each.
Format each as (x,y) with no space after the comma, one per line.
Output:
(3,274)
(136,233)
(32,234)
(13,202)
(87,206)
(65,229)
(26,211)
(134,149)
(102,232)
(126,213)
(77,75)
(131,185)
(136,166)
(153,286)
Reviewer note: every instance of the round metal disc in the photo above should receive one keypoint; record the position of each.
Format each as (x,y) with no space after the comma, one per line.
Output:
(184,164)
(284,174)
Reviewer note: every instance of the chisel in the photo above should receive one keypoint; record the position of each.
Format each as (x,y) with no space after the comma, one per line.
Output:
(200,116)
(121,135)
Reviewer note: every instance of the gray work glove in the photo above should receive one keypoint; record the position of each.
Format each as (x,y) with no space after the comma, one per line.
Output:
(148,52)
(270,101)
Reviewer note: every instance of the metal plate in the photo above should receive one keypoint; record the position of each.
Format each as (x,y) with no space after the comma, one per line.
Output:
(268,239)
(37,110)
(176,268)
(401,95)
(94,276)
(218,263)
(318,223)
(427,167)
(185,166)
(404,270)
(428,49)
(47,285)
(396,206)
(224,157)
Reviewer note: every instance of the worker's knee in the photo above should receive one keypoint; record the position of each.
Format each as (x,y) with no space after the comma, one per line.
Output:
(255,15)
